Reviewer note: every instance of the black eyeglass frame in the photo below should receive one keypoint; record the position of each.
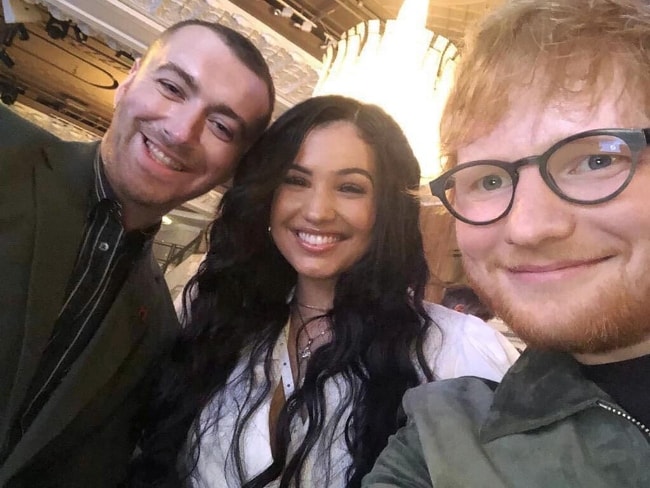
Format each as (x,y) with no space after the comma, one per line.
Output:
(636,139)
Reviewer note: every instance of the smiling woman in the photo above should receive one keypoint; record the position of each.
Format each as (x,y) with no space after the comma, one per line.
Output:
(324,210)
(307,318)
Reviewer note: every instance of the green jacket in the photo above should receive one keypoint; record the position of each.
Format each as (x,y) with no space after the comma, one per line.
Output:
(545,426)
(84,435)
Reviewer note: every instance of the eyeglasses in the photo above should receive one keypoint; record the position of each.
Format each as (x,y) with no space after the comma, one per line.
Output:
(587,168)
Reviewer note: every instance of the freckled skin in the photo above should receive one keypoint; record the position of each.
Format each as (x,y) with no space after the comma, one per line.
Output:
(597,308)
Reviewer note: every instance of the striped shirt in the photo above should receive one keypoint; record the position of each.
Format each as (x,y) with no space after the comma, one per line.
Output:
(106,255)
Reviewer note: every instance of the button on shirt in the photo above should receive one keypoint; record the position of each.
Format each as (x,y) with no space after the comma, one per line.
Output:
(106,255)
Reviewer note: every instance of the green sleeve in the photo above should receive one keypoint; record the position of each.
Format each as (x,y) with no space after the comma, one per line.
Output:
(401,463)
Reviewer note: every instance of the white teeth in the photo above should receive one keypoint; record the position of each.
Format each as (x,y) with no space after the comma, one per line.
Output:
(161,157)
(317,239)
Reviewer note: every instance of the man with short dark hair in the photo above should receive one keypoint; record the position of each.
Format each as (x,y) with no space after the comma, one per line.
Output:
(463,299)
(84,309)
(547,131)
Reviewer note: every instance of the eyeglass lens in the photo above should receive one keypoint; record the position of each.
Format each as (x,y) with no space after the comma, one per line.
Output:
(584,170)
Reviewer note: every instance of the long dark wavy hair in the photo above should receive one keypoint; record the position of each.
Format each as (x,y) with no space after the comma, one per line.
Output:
(237,304)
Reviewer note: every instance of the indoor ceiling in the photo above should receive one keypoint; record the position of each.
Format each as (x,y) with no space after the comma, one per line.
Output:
(61,65)
(331,18)
(73,73)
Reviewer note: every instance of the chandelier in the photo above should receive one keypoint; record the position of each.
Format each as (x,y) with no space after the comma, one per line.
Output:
(406,69)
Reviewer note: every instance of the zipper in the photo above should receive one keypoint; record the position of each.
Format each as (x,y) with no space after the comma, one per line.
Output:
(625,415)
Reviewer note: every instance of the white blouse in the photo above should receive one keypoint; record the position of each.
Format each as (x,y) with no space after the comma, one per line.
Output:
(461,345)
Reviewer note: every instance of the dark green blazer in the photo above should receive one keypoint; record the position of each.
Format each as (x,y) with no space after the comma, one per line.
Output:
(84,435)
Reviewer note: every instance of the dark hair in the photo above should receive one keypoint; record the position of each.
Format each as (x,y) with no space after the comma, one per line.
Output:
(241,47)
(471,303)
(238,307)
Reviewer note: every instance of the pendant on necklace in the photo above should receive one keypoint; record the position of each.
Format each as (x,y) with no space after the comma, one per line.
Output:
(305,353)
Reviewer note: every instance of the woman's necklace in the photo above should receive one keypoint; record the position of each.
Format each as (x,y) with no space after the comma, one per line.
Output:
(306,352)
(312,307)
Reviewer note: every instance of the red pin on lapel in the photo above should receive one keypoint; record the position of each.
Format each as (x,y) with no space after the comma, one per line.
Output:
(143,313)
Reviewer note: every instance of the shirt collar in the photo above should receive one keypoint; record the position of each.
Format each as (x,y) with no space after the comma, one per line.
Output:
(103,190)
(539,389)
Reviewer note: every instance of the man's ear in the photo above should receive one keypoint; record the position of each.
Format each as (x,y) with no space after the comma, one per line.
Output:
(459,308)
(124,86)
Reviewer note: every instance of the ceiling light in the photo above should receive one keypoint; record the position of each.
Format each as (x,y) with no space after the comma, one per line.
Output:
(167,220)
(306,26)
(286,12)
(12,31)
(329,41)
(6,59)
(79,35)
(9,93)
(57,29)
(22,32)
(126,55)
(404,68)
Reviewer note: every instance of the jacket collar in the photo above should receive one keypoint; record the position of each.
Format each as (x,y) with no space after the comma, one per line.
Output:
(62,188)
(539,389)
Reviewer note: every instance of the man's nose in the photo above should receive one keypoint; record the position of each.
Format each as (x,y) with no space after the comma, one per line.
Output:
(537,214)
(184,126)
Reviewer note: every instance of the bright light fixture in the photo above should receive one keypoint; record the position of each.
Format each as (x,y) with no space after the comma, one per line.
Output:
(406,69)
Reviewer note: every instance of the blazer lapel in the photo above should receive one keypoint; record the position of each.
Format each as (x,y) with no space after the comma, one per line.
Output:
(142,305)
(60,207)
(122,330)
(62,186)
